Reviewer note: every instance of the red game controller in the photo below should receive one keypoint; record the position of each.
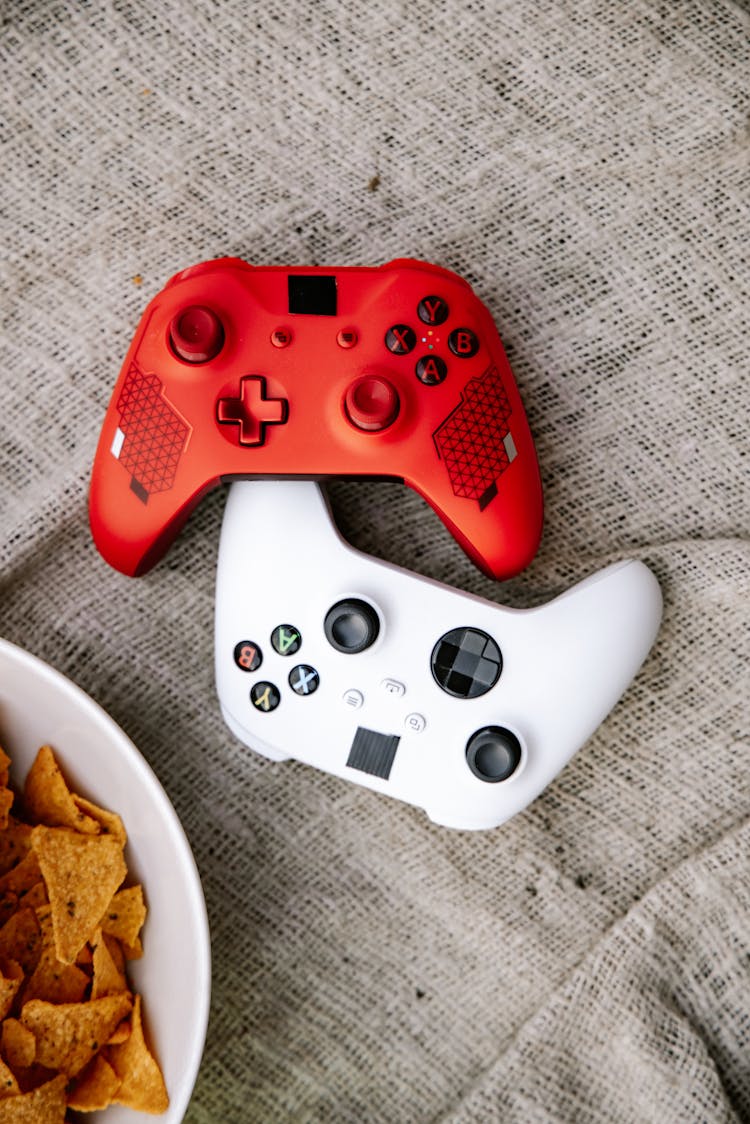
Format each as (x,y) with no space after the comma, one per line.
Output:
(393,371)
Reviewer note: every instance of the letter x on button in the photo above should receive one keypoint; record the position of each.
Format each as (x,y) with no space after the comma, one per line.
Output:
(252,411)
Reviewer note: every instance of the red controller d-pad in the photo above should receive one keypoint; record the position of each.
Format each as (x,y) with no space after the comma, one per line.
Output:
(252,411)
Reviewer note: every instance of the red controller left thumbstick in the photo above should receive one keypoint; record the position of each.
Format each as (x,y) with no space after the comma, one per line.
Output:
(197,334)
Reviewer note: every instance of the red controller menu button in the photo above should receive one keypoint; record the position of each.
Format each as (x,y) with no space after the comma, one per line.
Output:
(196,334)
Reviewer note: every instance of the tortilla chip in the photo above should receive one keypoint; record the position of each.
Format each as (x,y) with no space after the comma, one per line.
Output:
(20,939)
(22,876)
(109,977)
(8,1084)
(6,803)
(45,1105)
(15,842)
(68,1035)
(82,873)
(109,822)
(8,906)
(132,951)
(18,1045)
(125,915)
(6,796)
(48,800)
(95,1088)
(11,978)
(36,897)
(51,980)
(120,1034)
(142,1085)
(66,930)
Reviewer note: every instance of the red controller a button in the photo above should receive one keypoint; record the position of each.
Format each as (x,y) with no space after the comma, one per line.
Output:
(252,411)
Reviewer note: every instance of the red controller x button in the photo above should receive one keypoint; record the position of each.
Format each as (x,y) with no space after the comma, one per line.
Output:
(252,411)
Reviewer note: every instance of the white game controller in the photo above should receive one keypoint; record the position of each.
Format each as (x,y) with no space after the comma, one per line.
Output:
(404,685)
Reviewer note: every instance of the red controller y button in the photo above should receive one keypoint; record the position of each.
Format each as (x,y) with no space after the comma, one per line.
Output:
(252,411)
(196,334)
(432,310)
(371,403)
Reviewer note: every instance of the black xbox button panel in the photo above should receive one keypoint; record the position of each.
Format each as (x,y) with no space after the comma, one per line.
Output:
(466,663)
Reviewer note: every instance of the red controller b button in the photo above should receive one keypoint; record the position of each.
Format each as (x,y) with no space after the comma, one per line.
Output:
(463,343)
(196,334)
(371,403)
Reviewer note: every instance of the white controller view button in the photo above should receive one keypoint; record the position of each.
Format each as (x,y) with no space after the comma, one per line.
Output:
(415,722)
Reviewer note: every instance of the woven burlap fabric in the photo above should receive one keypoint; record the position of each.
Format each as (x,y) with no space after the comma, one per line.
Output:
(585,166)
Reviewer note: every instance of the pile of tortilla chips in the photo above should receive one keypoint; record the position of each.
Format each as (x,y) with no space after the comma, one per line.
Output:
(71,1035)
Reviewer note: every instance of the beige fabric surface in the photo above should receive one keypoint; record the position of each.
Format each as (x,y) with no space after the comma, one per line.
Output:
(585,165)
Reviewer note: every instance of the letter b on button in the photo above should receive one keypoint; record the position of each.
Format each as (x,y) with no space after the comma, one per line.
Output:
(463,343)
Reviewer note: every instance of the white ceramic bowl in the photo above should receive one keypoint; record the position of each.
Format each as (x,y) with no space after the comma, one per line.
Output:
(39,706)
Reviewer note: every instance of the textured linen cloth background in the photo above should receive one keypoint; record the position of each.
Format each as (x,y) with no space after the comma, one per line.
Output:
(585,166)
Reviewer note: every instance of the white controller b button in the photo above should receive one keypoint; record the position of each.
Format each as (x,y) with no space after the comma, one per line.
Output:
(247,655)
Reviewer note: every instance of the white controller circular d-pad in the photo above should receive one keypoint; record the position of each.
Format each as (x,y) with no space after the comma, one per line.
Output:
(408,687)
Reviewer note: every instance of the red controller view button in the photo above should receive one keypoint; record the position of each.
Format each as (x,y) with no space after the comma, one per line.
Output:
(372,403)
(252,411)
(281,337)
(196,334)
